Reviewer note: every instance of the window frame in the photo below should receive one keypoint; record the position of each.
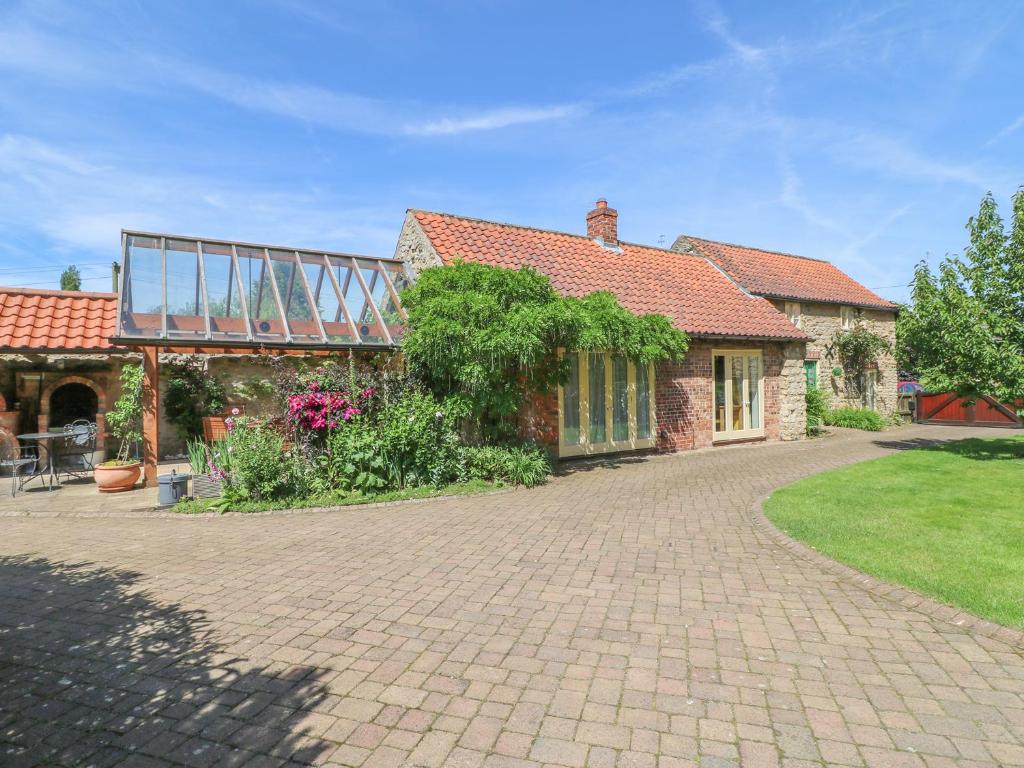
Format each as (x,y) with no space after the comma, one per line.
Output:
(632,443)
(847,317)
(809,367)
(748,433)
(793,313)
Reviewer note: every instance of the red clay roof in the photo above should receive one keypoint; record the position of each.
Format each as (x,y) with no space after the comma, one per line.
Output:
(699,298)
(785,276)
(71,321)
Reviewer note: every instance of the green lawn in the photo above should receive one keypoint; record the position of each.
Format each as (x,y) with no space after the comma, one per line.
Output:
(946,521)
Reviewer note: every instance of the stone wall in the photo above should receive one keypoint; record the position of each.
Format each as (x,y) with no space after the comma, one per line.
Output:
(414,247)
(823,322)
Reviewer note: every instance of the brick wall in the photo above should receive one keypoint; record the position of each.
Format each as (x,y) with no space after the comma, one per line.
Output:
(684,391)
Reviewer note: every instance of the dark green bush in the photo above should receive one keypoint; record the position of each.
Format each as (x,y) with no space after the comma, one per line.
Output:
(259,469)
(513,464)
(817,409)
(855,418)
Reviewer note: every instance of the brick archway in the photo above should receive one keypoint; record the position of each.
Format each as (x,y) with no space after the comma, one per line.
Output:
(101,405)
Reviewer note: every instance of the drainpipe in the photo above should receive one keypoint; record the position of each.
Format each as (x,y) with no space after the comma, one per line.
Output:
(115,273)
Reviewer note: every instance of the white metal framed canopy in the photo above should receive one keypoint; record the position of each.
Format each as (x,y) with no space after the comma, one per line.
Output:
(190,291)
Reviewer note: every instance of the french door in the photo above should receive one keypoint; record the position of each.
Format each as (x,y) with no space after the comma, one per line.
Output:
(738,401)
(607,404)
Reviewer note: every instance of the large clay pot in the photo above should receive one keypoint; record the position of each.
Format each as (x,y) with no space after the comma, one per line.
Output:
(117,478)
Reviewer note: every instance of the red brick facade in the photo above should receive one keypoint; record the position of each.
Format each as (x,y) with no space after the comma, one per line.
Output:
(683,400)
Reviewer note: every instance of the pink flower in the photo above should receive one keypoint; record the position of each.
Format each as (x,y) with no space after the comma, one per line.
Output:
(235,411)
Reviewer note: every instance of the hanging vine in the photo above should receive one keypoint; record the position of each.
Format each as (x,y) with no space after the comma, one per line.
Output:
(857,350)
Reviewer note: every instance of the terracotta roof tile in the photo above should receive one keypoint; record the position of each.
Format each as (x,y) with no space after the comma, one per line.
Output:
(785,276)
(32,319)
(699,298)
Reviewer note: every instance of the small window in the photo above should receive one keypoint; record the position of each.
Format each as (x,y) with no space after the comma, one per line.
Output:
(811,373)
(847,317)
(793,312)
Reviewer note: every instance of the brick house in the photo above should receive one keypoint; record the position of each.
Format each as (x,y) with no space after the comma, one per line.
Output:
(822,301)
(742,378)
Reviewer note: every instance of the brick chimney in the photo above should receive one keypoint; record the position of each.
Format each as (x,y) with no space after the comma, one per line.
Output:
(603,222)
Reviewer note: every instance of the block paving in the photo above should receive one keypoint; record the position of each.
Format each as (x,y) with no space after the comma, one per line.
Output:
(630,614)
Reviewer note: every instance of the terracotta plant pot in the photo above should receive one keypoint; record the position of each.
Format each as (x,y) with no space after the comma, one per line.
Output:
(117,478)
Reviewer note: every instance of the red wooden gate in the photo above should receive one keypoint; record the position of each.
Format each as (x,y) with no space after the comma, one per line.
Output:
(948,408)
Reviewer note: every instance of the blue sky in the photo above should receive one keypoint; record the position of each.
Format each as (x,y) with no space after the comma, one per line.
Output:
(859,132)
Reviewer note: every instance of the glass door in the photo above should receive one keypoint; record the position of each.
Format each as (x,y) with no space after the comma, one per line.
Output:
(606,404)
(738,395)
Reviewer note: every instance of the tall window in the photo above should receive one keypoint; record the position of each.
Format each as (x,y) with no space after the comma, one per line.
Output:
(738,394)
(606,404)
(847,317)
(793,312)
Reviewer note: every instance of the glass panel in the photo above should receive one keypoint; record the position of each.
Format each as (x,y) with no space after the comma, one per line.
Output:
(595,383)
(389,311)
(737,392)
(620,399)
(643,403)
(185,316)
(355,300)
(226,320)
(325,299)
(293,293)
(719,393)
(266,320)
(142,297)
(571,402)
(378,288)
(753,391)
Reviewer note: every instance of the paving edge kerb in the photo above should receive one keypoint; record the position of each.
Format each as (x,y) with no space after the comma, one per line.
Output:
(168,513)
(908,598)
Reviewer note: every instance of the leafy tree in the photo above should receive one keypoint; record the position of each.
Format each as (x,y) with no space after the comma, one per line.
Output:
(71,279)
(489,337)
(965,326)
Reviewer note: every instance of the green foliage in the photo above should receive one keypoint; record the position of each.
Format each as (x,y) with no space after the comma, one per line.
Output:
(857,349)
(817,409)
(414,442)
(258,467)
(855,418)
(197,456)
(513,464)
(487,337)
(71,279)
(965,326)
(190,393)
(125,418)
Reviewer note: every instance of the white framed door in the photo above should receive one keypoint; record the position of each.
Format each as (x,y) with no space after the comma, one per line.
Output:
(737,394)
(606,405)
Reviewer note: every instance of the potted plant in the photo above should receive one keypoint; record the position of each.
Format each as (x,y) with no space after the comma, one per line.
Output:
(125,422)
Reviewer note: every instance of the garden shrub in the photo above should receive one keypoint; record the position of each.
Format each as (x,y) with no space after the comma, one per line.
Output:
(420,442)
(513,464)
(817,409)
(855,418)
(259,468)
(190,393)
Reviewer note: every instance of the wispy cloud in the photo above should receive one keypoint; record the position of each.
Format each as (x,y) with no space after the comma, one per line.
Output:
(718,23)
(494,119)
(1009,130)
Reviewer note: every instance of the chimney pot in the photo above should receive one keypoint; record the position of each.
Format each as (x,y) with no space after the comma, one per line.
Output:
(603,222)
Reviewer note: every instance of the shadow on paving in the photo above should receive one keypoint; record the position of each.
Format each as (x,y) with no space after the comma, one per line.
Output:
(979,449)
(574,466)
(93,670)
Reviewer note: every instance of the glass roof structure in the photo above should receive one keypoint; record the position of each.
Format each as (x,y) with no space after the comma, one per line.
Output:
(190,291)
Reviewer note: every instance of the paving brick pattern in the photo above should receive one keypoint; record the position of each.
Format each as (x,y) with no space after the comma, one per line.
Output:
(625,615)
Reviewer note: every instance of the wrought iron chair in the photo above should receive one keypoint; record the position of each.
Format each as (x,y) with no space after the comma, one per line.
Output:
(75,457)
(23,464)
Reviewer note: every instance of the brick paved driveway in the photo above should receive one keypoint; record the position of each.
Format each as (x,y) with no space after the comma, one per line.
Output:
(620,616)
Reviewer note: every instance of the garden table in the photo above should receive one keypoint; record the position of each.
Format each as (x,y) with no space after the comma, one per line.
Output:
(45,441)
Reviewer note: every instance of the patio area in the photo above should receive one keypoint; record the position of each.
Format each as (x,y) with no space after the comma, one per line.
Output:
(79,496)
